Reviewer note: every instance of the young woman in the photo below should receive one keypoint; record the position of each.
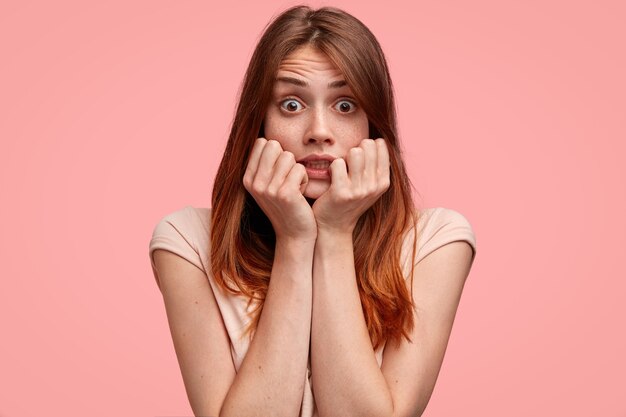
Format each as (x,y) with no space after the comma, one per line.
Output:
(313,286)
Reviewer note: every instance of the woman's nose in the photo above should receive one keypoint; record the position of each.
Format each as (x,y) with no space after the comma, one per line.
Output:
(319,129)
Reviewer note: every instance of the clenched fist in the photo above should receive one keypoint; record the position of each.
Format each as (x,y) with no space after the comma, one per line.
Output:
(277,181)
(356,184)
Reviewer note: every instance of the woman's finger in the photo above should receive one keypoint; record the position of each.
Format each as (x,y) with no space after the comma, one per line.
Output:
(338,172)
(255,154)
(370,158)
(297,178)
(285,162)
(355,161)
(253,161)
(267,160)
(383,162)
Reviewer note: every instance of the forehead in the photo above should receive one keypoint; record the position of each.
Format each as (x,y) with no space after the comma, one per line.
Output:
(308,61)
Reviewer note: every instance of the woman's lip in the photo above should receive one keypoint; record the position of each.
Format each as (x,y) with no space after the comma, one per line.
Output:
(318,166)
(318,157)
(316,173)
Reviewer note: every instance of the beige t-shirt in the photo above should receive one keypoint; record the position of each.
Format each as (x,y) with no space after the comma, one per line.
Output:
(186,233)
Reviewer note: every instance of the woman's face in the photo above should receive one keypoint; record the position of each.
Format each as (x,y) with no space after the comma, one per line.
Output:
(314,115)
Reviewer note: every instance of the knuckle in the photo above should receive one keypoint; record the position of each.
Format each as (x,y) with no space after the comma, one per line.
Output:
(273,144)
(371,190)
(283,195)
(271,192)
(343,195)
(286,158)
(257,188)
(299,168)
(289,156)
(356,151)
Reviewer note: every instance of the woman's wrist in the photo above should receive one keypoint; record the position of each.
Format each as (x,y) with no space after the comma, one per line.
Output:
(334,235)
(335,231)
(296,243)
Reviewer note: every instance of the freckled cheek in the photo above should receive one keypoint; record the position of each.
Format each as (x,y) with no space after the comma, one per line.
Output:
(353,133)
(283,130)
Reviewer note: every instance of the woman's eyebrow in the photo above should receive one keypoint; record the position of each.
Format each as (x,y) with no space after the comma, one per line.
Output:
(302,83)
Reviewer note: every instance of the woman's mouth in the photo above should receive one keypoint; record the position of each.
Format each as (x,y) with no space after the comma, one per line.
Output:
(317,165)
(317,169)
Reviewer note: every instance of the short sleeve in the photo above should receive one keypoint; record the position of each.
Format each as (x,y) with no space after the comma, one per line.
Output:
(443,226)
(179,232)
(435,228)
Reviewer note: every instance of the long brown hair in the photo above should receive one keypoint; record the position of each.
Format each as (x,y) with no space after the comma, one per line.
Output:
(242,237)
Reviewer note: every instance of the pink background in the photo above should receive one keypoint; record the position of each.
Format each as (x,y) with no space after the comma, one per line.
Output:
(113,114)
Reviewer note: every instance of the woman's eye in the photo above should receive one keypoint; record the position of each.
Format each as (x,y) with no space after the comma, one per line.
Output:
(346,106)
(291,105)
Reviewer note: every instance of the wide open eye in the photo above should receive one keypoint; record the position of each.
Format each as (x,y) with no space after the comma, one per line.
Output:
(345,106)
(291,105)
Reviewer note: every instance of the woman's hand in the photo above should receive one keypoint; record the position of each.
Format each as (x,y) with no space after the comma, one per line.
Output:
(350,194)
(277,182)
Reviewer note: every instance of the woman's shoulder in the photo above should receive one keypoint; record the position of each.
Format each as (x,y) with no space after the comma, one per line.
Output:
(185,232)
(189,222)
(188,215)
(437,226)
(435,217)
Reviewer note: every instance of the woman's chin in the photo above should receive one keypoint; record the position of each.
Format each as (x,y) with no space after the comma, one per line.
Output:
(315,189)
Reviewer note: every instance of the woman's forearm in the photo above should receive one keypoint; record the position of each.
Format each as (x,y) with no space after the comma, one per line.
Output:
(271,378)
(345,375)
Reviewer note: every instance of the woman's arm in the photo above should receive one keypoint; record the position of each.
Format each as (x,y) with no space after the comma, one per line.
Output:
(270,381)
(198,332)
(346,378)
(345,375)
(271,378)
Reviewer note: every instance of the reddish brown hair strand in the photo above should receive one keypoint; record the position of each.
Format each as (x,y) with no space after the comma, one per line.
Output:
(242,238)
